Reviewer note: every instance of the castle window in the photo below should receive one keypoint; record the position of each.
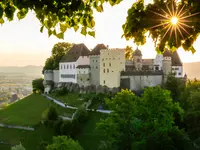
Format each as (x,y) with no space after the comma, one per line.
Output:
(104,70)
(138,60)
(88,79)
(60,66)
(96,60)
(81,79)
(74,66)
(84,72)
(176,68)
(102,59)
(104,64)
(64,66)
(104,82)
(96,67)
(107,70)
(110,64)
(93,60)
(67,66)
(157,68)
(179,73)
(70,66)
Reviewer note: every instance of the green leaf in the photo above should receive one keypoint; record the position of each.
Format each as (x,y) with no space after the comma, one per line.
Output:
(1,20)
(41,29)
(84,30)
(92,33)
(63,27)
(1,11)
(100,8)
(76,28)
(49,33)
(22,13)
(60,35)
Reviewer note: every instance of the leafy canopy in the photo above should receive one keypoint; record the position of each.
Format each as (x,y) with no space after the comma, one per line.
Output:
(53,14)
(58,51)
(64,143)
(158,19)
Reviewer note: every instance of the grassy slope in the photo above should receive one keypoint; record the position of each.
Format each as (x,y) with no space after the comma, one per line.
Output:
(70,99)
(28,111)
(90,138)
(29,139)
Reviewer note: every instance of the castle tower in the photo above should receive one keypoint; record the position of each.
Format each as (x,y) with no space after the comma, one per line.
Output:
(167,64)
(137,59)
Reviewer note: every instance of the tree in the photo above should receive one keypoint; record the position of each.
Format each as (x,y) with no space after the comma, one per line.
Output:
(37,85)
(58,51)
(64,143)
(174,85)
(52,114)
(135,121)
(129,52)
(168,23)
(118,127)
(18,147)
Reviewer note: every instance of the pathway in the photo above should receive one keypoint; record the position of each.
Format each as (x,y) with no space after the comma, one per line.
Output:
(16,127)
(71,107)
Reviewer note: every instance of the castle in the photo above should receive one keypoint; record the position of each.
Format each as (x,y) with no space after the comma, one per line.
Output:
(108,67)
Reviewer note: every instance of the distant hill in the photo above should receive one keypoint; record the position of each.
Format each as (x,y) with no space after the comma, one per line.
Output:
(192,70)
(27,70)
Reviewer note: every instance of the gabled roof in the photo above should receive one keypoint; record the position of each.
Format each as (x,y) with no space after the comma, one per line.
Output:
(97,49)
(75,52)
(176,61)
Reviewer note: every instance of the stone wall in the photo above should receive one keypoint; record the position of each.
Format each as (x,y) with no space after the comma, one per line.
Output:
(83,80)
(138,82)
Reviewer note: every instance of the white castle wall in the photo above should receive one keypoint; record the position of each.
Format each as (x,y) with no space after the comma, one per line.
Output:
(68,72)
(56,76)
(48,75)
(140,81)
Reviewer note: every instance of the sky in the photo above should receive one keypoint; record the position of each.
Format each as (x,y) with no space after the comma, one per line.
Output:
(21,42)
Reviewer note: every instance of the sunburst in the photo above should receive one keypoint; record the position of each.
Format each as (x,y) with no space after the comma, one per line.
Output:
(174,20)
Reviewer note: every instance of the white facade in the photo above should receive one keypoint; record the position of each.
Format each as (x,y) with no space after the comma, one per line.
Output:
(48,75)
(112,62)
(178,70)
(158,62)
(56,76)
(68,72)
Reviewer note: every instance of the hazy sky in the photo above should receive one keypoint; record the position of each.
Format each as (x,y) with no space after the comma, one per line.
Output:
(21,42)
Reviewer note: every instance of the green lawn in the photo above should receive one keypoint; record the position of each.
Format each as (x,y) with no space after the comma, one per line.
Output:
(28,111)
(29,139)
(90,138)
(71,99)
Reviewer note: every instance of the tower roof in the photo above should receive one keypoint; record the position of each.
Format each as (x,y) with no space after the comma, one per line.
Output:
(137,52)
(176,61)
(75,52)
(97,49)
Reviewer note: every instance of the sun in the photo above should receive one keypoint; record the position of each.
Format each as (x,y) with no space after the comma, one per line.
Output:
(174,20)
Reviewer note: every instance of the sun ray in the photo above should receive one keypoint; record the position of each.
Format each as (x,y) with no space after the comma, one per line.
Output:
(185,25)
(175,31)
(180,31)
(183,29)
(172,8)
(159,14)
(159,25)
(190,15)
(166,33)
(180,10)
(169,11)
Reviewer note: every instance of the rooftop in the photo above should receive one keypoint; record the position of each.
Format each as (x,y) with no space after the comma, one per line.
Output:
(97,49)
(75,52)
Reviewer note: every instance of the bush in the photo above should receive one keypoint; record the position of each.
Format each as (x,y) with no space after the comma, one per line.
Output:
(52,114)
(43,145)
(18,147)
(66,128)
(37,84)
(81,115)
(57,126)
(62,91)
